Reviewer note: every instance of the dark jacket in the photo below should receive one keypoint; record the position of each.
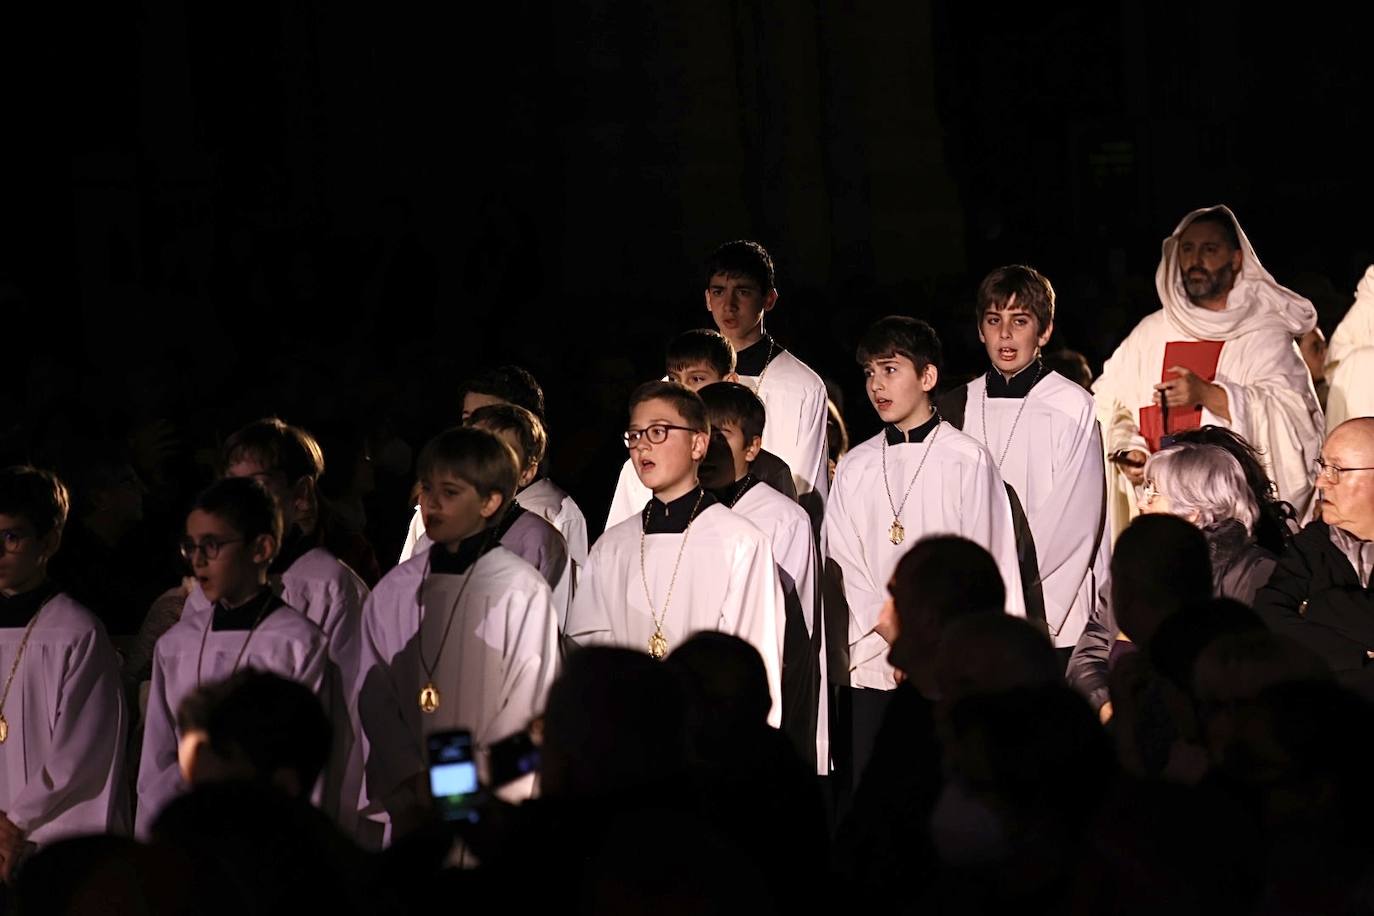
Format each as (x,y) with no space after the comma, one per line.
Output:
(1315,598)
(1240,567)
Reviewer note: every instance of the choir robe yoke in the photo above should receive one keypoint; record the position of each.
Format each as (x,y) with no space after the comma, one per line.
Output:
(286,643)
(1054,462)
(727,581)
(552,503)
(493,673)
(958,492)
(62,764)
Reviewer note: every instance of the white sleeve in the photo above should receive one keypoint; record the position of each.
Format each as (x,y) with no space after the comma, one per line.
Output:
(1066,527)
(530,660)
(985,518)
(1276,411)
(755,601)
(392,755)
(159,774)
(413,534)
(863,596)
(589,619)
(85,757)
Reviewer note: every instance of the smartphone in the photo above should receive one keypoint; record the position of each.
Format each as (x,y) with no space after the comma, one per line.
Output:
(511,758)
(453,781)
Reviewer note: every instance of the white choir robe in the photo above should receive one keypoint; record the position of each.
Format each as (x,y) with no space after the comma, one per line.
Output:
(1268,387)
(788,528)
(493,674)
(959,492)
(1054,462)
(286,643)
(62,765)
(727,581)
(531,538)
(324,589)
(552,503)
(1350,360)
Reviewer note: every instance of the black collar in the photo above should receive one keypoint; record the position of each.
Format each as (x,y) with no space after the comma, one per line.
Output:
(457,562)
(18,610)
(674,517)
(753,359)
(512,513)
(1020,384)
(246,615)
(294,545)
(729,496)
(917,433)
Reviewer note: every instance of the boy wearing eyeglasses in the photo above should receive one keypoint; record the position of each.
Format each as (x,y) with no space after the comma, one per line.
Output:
(62,716)
(461,635)
(695,359)
(233,533)
(684,562)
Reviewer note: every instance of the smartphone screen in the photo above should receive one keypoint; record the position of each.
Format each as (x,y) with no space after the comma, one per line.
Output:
(453,778)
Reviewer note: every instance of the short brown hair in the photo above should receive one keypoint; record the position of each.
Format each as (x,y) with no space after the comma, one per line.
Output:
(735,404)
(279,446)
(1031,290)
(529,431)
(36,496)
(479,457)
(698,346)
(684,400)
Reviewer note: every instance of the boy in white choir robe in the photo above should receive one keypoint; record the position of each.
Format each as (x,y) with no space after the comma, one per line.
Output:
(737,422)
(62,719)
(232,535)
(288,462)
(918,477)
(739,290)
(516,386)
(524,533)
(695,359)
(462,635)
(1042,431)
(685,563)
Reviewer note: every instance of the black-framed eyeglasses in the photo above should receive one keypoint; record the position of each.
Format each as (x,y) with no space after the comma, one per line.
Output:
(1331,473)
(210,547)
(656,433)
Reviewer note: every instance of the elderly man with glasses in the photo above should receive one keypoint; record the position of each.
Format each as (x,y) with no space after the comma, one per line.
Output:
(1320,592)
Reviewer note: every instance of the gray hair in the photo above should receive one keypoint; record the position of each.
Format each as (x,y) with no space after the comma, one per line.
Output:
(1205,481)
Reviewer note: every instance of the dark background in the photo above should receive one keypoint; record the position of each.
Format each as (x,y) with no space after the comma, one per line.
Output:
(337,212)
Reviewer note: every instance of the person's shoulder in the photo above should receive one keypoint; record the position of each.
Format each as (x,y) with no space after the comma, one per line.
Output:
(952,442)
(535,523)
(67,616)
(500,570)
(402,578)
(617,536)
(787,364)
(321,565)
(1147,329)
(290,622)
(764,502)
(1056,391)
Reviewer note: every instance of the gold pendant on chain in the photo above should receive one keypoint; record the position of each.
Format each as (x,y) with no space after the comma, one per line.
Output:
(658,644)
(896,534)
(429,698)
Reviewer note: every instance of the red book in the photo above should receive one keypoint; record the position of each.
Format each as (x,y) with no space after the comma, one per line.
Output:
(1197,356)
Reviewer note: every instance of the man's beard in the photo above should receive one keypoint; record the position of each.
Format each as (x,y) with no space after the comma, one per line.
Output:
(1201,283)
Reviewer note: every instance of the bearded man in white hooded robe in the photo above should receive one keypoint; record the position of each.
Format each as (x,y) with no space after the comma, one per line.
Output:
(1228,317)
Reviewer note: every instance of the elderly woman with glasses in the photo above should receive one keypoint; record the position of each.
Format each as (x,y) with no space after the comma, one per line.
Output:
(1206,486)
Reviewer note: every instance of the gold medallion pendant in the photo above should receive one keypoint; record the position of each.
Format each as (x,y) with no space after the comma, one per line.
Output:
(4,729)
(658,644)
(896,534)
(429,698)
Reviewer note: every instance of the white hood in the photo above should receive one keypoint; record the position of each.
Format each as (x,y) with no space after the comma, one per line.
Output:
(1357,327)
(1256,301)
